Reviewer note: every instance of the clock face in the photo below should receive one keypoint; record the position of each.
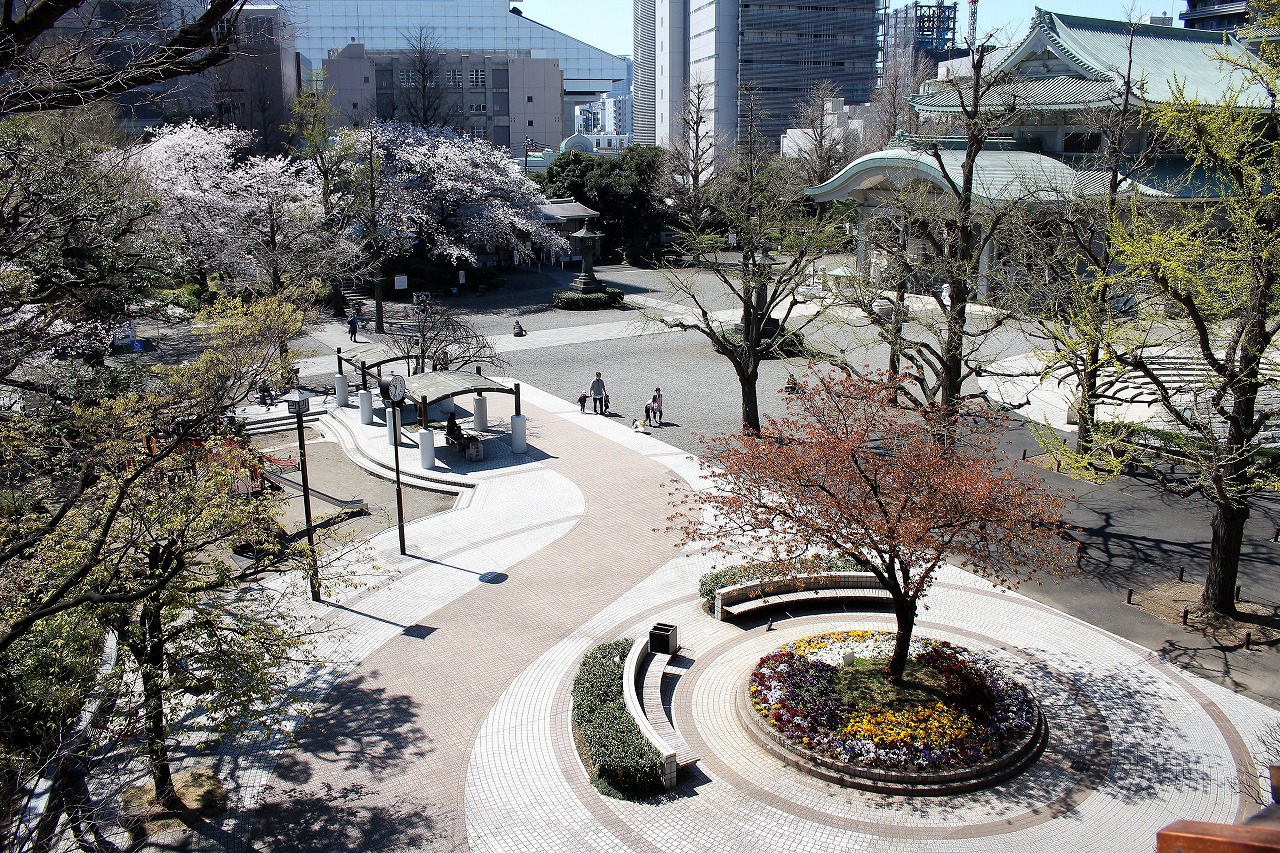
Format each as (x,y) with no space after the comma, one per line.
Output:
(394,390)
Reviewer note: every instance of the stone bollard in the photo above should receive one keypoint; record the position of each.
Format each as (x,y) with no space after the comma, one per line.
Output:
(480,413)
(518,442)
(340,391)
(366,407)
(393,427)
(427,448)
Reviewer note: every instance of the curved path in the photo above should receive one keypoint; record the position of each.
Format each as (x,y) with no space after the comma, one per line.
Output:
(447,727)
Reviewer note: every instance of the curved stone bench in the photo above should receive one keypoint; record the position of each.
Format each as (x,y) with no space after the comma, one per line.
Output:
(743,598)
(631,673)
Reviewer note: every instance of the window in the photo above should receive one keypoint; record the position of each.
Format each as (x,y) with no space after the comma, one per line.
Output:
(366,79)
(530,122)
(528,99)
(1081,143)
(455,78)
(478,133)
(476,108)
(477,78)
(355,106)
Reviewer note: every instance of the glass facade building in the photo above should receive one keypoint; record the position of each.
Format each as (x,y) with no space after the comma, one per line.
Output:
(780,47)
(456,25)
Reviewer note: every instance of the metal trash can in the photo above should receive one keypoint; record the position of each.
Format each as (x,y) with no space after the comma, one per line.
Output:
(662,639)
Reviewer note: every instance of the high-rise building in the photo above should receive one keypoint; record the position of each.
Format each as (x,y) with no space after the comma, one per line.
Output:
(921,30)
(781,49)
(1214,14)
(473,27)
(256,89)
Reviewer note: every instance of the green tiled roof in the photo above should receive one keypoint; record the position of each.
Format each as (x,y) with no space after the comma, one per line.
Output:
(1099,49)
(999,175)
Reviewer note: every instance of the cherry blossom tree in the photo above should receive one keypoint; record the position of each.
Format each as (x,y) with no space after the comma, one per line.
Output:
(256,222)
(432,191)
(849,473)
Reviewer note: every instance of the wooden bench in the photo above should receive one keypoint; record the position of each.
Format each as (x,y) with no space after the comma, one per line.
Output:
(642,677)
(743,598)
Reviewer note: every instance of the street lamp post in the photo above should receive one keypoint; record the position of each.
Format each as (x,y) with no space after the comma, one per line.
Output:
(393,393)
(298,403)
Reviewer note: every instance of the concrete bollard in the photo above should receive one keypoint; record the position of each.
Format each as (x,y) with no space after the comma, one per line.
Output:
(340,391)
(518,442)
(393,427)
(480,413)
(366,407)
(427,448)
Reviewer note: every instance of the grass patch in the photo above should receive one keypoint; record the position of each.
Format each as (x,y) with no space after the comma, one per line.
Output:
(199,790)
(863,684)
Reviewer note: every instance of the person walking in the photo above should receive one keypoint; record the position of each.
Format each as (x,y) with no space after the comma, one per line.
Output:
(353,324)
(598,393)
(655,407)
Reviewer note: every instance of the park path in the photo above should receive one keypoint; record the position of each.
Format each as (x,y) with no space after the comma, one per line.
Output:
(382,764)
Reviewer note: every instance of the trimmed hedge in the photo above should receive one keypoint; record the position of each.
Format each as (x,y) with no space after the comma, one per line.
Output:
(718,579)
(621,757)
(573,300)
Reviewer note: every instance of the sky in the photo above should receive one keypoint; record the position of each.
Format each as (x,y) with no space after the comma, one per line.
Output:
(606,24)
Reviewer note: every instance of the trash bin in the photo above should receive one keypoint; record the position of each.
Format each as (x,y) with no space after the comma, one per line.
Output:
(662,639)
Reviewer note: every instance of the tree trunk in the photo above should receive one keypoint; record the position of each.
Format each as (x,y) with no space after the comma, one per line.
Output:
(904,610)
(750,404)
(1087,402)
(1219,593)
(152,676)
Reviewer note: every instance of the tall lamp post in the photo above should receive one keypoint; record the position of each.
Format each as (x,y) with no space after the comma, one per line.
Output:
(299,403)
(393,392)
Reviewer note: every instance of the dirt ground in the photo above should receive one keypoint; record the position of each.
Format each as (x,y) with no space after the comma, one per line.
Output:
(330,471)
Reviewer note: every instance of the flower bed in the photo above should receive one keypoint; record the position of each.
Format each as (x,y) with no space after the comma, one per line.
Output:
(962,711)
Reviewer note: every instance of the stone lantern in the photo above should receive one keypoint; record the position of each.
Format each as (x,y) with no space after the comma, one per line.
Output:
(586,282)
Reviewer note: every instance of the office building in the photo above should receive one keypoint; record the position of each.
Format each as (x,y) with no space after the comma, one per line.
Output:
(473,28)
(256,89)
(500,96)
(781,48)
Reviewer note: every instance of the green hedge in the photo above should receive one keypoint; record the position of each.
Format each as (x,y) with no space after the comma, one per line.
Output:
(573,300)
(718,579)
(622,759)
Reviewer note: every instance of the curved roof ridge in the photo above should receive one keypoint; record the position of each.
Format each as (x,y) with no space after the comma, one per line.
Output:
(1050,26)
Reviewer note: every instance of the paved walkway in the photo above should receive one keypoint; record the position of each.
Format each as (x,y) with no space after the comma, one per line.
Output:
(441,719)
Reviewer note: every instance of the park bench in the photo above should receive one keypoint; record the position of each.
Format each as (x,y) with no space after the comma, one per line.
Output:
(642,675)
(841,587)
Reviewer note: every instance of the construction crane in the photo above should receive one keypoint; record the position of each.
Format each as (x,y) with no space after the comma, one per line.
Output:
(973,24)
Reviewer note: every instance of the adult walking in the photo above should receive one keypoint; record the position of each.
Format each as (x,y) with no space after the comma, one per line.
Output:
(598,393)
(353,324)
(653,408)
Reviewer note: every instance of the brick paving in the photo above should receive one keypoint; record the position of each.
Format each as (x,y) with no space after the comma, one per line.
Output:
(445,725)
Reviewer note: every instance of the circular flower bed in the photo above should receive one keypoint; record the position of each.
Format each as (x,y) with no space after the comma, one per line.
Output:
(826,697)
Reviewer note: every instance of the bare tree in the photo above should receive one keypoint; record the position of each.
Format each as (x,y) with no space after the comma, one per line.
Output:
(438,336)
(827,145)
(56,54)
(890,112)
(422,97)
(694,152)
(938,239)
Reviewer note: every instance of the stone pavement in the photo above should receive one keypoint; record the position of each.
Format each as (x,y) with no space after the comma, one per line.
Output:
(441,719)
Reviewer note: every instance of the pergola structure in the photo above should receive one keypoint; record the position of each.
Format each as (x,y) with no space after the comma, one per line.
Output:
(424,389)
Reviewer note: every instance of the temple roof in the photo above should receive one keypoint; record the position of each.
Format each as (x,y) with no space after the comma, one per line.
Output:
(1068,61)
(1000,175)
